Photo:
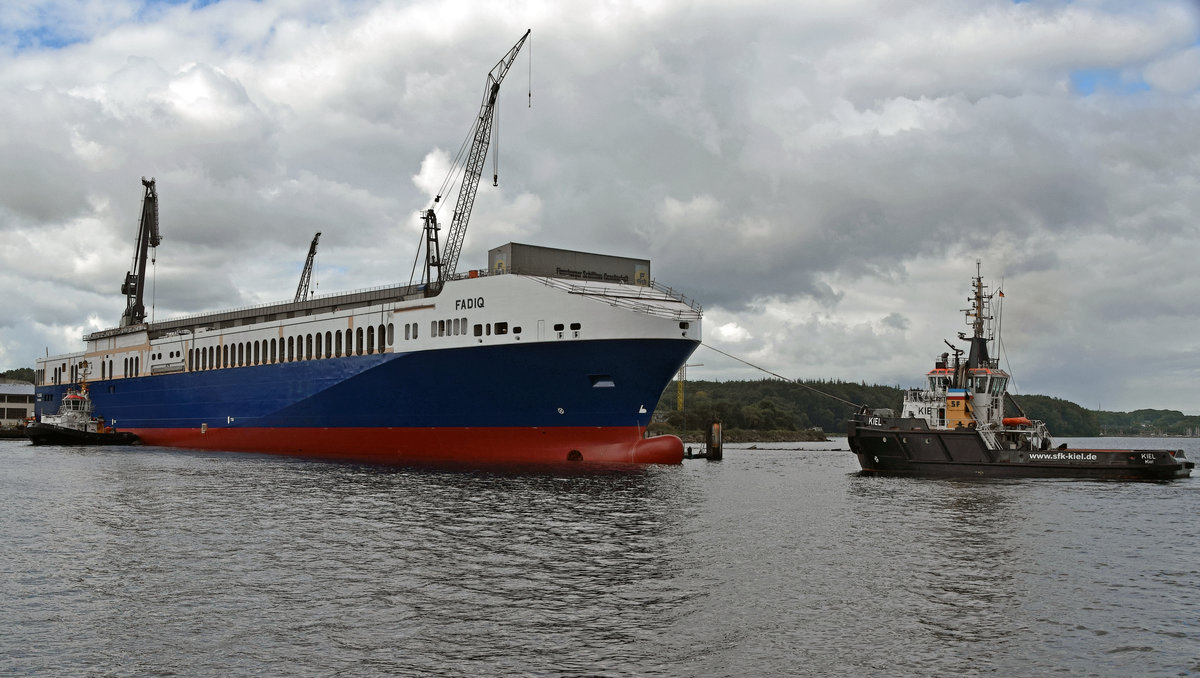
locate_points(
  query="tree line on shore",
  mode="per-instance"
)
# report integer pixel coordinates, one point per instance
(19, 374)
(777, 405)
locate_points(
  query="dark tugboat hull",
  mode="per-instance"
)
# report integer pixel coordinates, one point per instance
(963, 454)
(48, 434)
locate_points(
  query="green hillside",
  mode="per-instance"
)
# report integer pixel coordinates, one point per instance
(774, 404)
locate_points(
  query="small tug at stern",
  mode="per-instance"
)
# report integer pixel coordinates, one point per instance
(956, 426)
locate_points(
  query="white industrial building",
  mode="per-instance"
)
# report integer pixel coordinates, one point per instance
(16, 401)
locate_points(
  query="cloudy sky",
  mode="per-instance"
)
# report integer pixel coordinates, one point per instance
(822, 176)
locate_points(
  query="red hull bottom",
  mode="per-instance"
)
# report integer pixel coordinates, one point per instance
(393, 446)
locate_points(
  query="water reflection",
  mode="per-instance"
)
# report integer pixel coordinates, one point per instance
(951, 550)
(773, 562)
(341, 562)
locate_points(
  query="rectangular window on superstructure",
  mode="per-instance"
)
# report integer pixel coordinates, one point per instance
(407, 331)
(370, 339)
(318, 345)
(477, 330)
(391, 334)
(501, 328)
(337, 343)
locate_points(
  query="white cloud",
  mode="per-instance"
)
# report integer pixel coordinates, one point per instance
(821, 176)
(731, 333)
(1178, 72)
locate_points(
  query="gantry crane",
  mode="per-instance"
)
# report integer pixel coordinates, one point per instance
(481, 135)
(148, 236)
(306, 274)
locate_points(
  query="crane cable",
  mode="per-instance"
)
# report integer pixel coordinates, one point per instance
(780, 376)
(457, 168)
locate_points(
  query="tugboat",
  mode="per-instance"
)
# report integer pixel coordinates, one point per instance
(957, 425)
(75, 425)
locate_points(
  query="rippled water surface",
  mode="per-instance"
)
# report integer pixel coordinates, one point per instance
(774, 562)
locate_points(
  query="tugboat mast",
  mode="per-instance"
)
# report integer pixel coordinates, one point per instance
(979, 317)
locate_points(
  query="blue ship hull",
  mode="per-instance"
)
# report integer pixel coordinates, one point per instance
(521, 402)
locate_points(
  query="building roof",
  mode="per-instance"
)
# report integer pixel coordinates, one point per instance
(8, 387)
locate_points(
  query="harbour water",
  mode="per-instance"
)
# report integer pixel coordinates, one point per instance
(776, 561)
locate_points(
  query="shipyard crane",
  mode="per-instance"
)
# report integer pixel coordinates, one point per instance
(148, 236)
(306, 274)
(481, 136)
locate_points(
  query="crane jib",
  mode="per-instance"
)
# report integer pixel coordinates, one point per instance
(148, 236)
(472, 170)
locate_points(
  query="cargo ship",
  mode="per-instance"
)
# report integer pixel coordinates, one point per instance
(964, 422)
(546, 355)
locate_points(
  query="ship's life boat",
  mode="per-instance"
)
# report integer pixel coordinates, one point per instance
(1017, 421)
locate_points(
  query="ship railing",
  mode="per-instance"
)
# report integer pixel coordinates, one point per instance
(640, 298)
(363, 295)
(401, 292)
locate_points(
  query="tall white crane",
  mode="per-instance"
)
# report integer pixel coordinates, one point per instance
(481, 135)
